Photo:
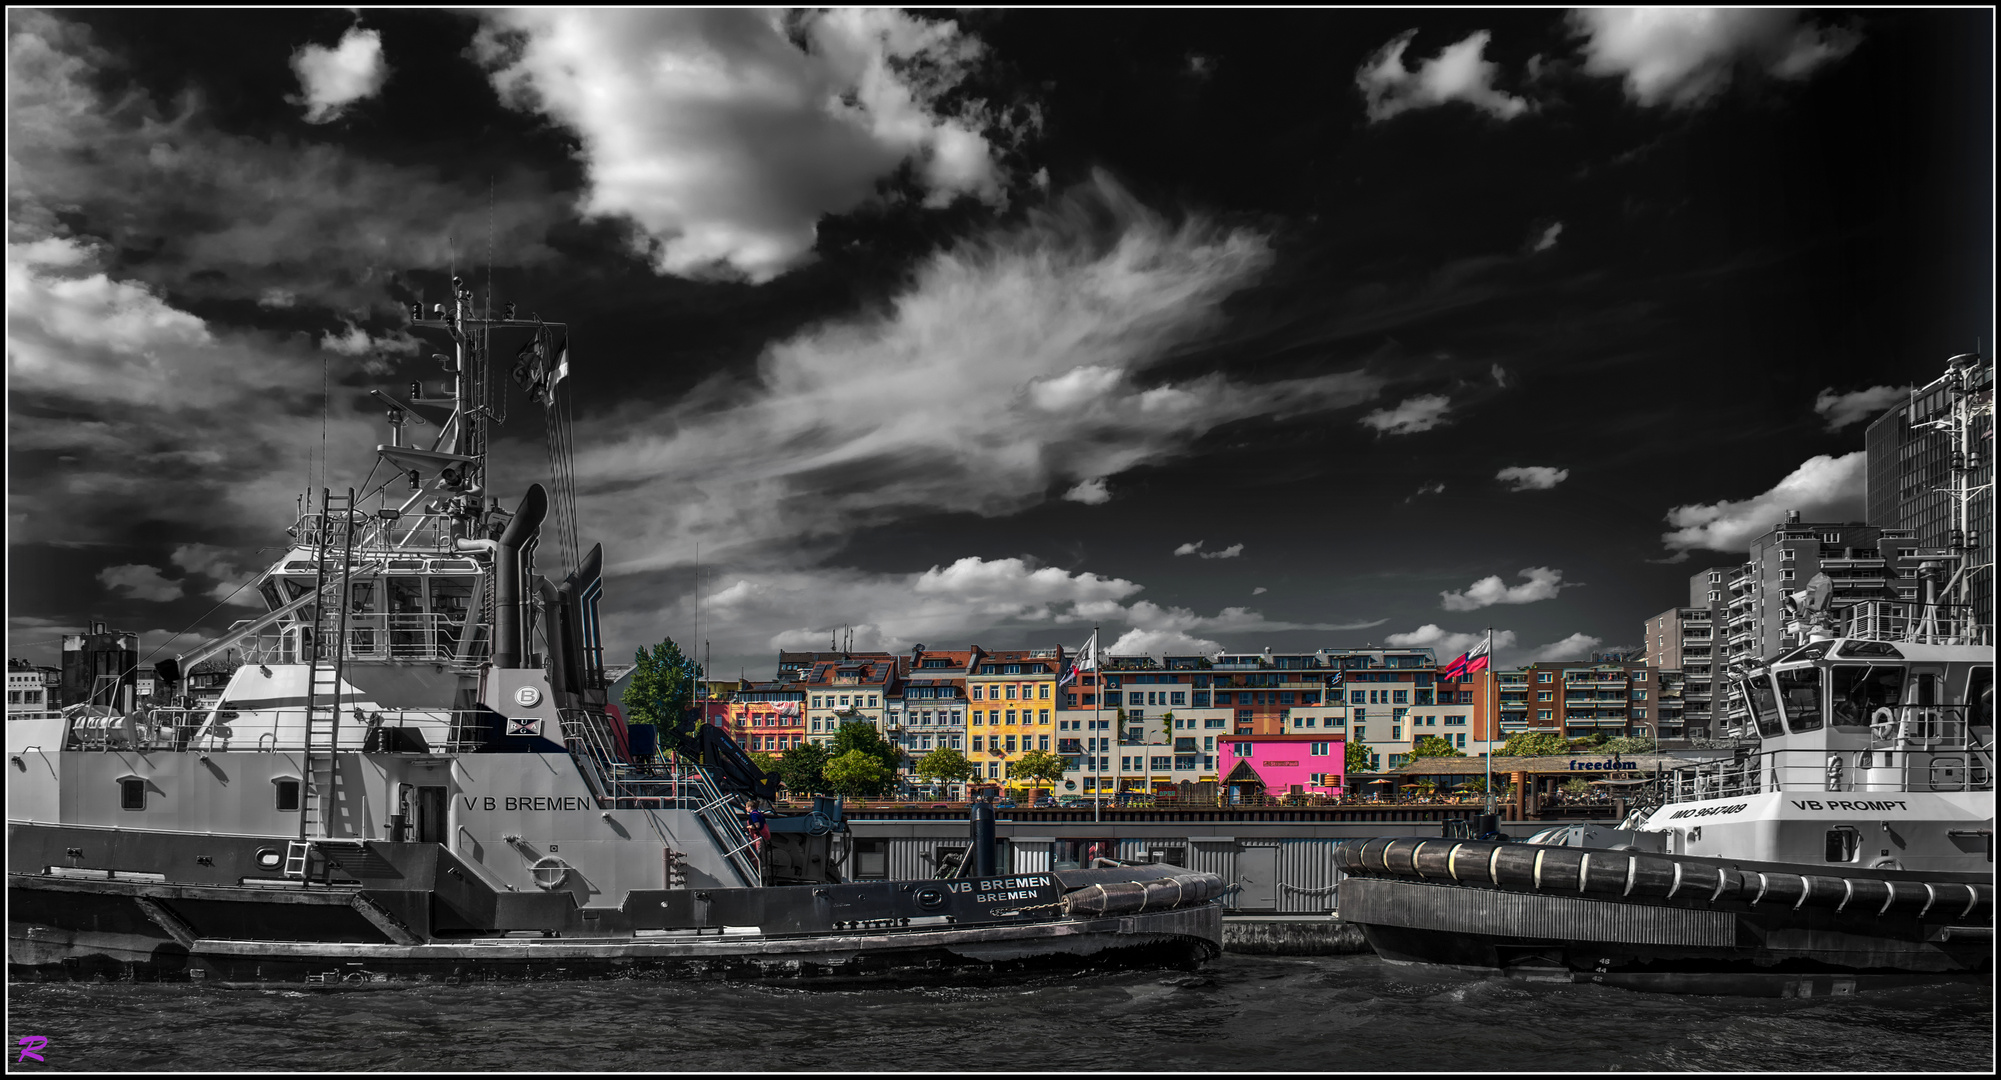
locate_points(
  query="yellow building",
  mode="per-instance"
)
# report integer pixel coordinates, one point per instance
(1011, 710)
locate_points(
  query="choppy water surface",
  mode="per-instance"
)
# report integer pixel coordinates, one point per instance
(1349, 1013)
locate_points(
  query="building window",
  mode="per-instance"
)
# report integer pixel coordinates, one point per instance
(287, 793)
(1042, 742)
(1545, 695)
(1044, 717)
(1396, 732)
(1361, 733)
(1542, 714)
(1243, 749)
(1542, 676)
(132, 794)
(978, 742)
(1318, 749)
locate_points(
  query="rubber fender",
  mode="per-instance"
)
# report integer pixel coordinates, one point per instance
(1158, 894)
(1514, 866)
(1561, 869)
(1823, 891)
(1698, 881)
(1730, 885)
(1604, 871)
(1432, 859)
(1652, 877)
(1866, 896)
(1372, 854)
(1349, 856)
(1906, 898)
(1981, 909)
(1778, 889)
(1467, 861)
(1397, 855)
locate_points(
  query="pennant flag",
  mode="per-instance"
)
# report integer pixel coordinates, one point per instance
(1086, 660)
(1477, 659)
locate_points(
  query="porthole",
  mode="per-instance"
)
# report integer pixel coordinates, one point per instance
(268, 858)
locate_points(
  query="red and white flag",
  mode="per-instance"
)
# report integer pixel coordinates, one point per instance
(1467, 664)
(1086, 660)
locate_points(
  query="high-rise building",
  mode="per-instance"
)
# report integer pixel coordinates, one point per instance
(1912, 454)
(1689, 639)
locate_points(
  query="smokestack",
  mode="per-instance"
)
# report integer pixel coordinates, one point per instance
(507, 599)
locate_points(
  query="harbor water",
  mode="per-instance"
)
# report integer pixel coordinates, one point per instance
(1340, 1013)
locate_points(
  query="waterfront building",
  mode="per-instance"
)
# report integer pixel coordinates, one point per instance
(27, 690)
(1012, 707)
(1284, 764)
(766, 717)
(857, 687)
(929, 712)
(1681, 640)
(101, 667)
(1909, 456)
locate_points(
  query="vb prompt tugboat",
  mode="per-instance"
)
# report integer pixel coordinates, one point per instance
(1854, 847)
(413, 774)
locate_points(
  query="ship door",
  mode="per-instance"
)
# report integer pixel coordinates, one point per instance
(1257, 872)
(431, 805)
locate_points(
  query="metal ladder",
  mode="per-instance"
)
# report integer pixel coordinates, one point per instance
(322, 799)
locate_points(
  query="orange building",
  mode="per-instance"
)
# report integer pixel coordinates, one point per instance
(768, 717)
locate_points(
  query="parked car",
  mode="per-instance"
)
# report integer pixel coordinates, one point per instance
(1004, 804)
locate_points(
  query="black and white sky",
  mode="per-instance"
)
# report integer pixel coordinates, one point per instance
(1280, 329)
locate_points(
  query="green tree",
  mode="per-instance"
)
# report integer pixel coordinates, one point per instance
(662, 688)
(1475, 786)
(1577, 786)
(1433, 746)
(1588, 742)
(1638, 744)
(767, 762)
(1358, 758)
(947, 765)
(1534, 744)
(1167, 726)
(858, 774)
(1036, 765)
(801, 770)
(862, 735)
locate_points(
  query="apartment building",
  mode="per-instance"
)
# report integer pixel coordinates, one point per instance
(767, 717)
(27, 689)
(1011, 698)
(929, 712)
(845, 690)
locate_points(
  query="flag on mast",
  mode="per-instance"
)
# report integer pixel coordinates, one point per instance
(1086, 660)
(1467, 664)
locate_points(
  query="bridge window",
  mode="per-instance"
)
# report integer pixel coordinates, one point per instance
(1763, 704)
(1860, 690)
(1799, 691)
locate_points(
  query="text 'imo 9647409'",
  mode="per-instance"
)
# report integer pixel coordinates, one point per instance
(415, 773)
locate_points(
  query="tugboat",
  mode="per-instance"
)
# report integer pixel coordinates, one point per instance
(414, 775)
(1852, 849)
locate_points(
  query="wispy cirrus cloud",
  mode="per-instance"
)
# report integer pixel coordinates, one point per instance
(219, 215)
(1195, 548)
(1841, 410)
(725, 135)
(1045, 332)
(1457, 73)
(1410, 416)
(1685, 57)
(1532, 477)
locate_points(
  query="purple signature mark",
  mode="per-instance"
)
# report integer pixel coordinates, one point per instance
(29, 1044)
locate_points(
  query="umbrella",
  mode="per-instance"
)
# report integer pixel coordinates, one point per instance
(1382, 781)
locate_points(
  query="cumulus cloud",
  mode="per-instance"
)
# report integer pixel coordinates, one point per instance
(969, 600)
(1260, 589)
(220, 564)
(1445, 644)
(1458, 73)
(112, 378)
(1684, 57)
(139, 582)
(1548, 238)
(724, 135)
(1543, 584)
(1089, 492)
(1189, 548)
(1433, 488)
(843, 426)
(332, 79)
(305, 222)
(1500, 376)
(1230, 552)
(1575, 647)
(1412, 415)
(1532, 477)
(1854, 407)
(1823, 488)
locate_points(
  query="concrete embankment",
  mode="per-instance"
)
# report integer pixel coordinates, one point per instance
(1291, 935)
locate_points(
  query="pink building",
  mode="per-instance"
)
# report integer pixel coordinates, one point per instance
(1284, 764)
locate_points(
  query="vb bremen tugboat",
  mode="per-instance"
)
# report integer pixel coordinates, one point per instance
(414, 775)
(1853, 848)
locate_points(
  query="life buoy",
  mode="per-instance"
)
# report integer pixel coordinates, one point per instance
(550, 872)
(1883, 724)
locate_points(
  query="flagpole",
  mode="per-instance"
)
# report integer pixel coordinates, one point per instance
(1492, 712)
(1097, 704)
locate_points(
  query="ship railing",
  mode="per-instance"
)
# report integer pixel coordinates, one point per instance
(1943, 624)
(619, 784)
(1939, 754)
(146, 729)
(428, 637)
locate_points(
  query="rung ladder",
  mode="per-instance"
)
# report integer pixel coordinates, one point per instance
(323, 800)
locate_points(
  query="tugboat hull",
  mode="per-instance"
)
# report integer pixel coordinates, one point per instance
(1659, 922)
